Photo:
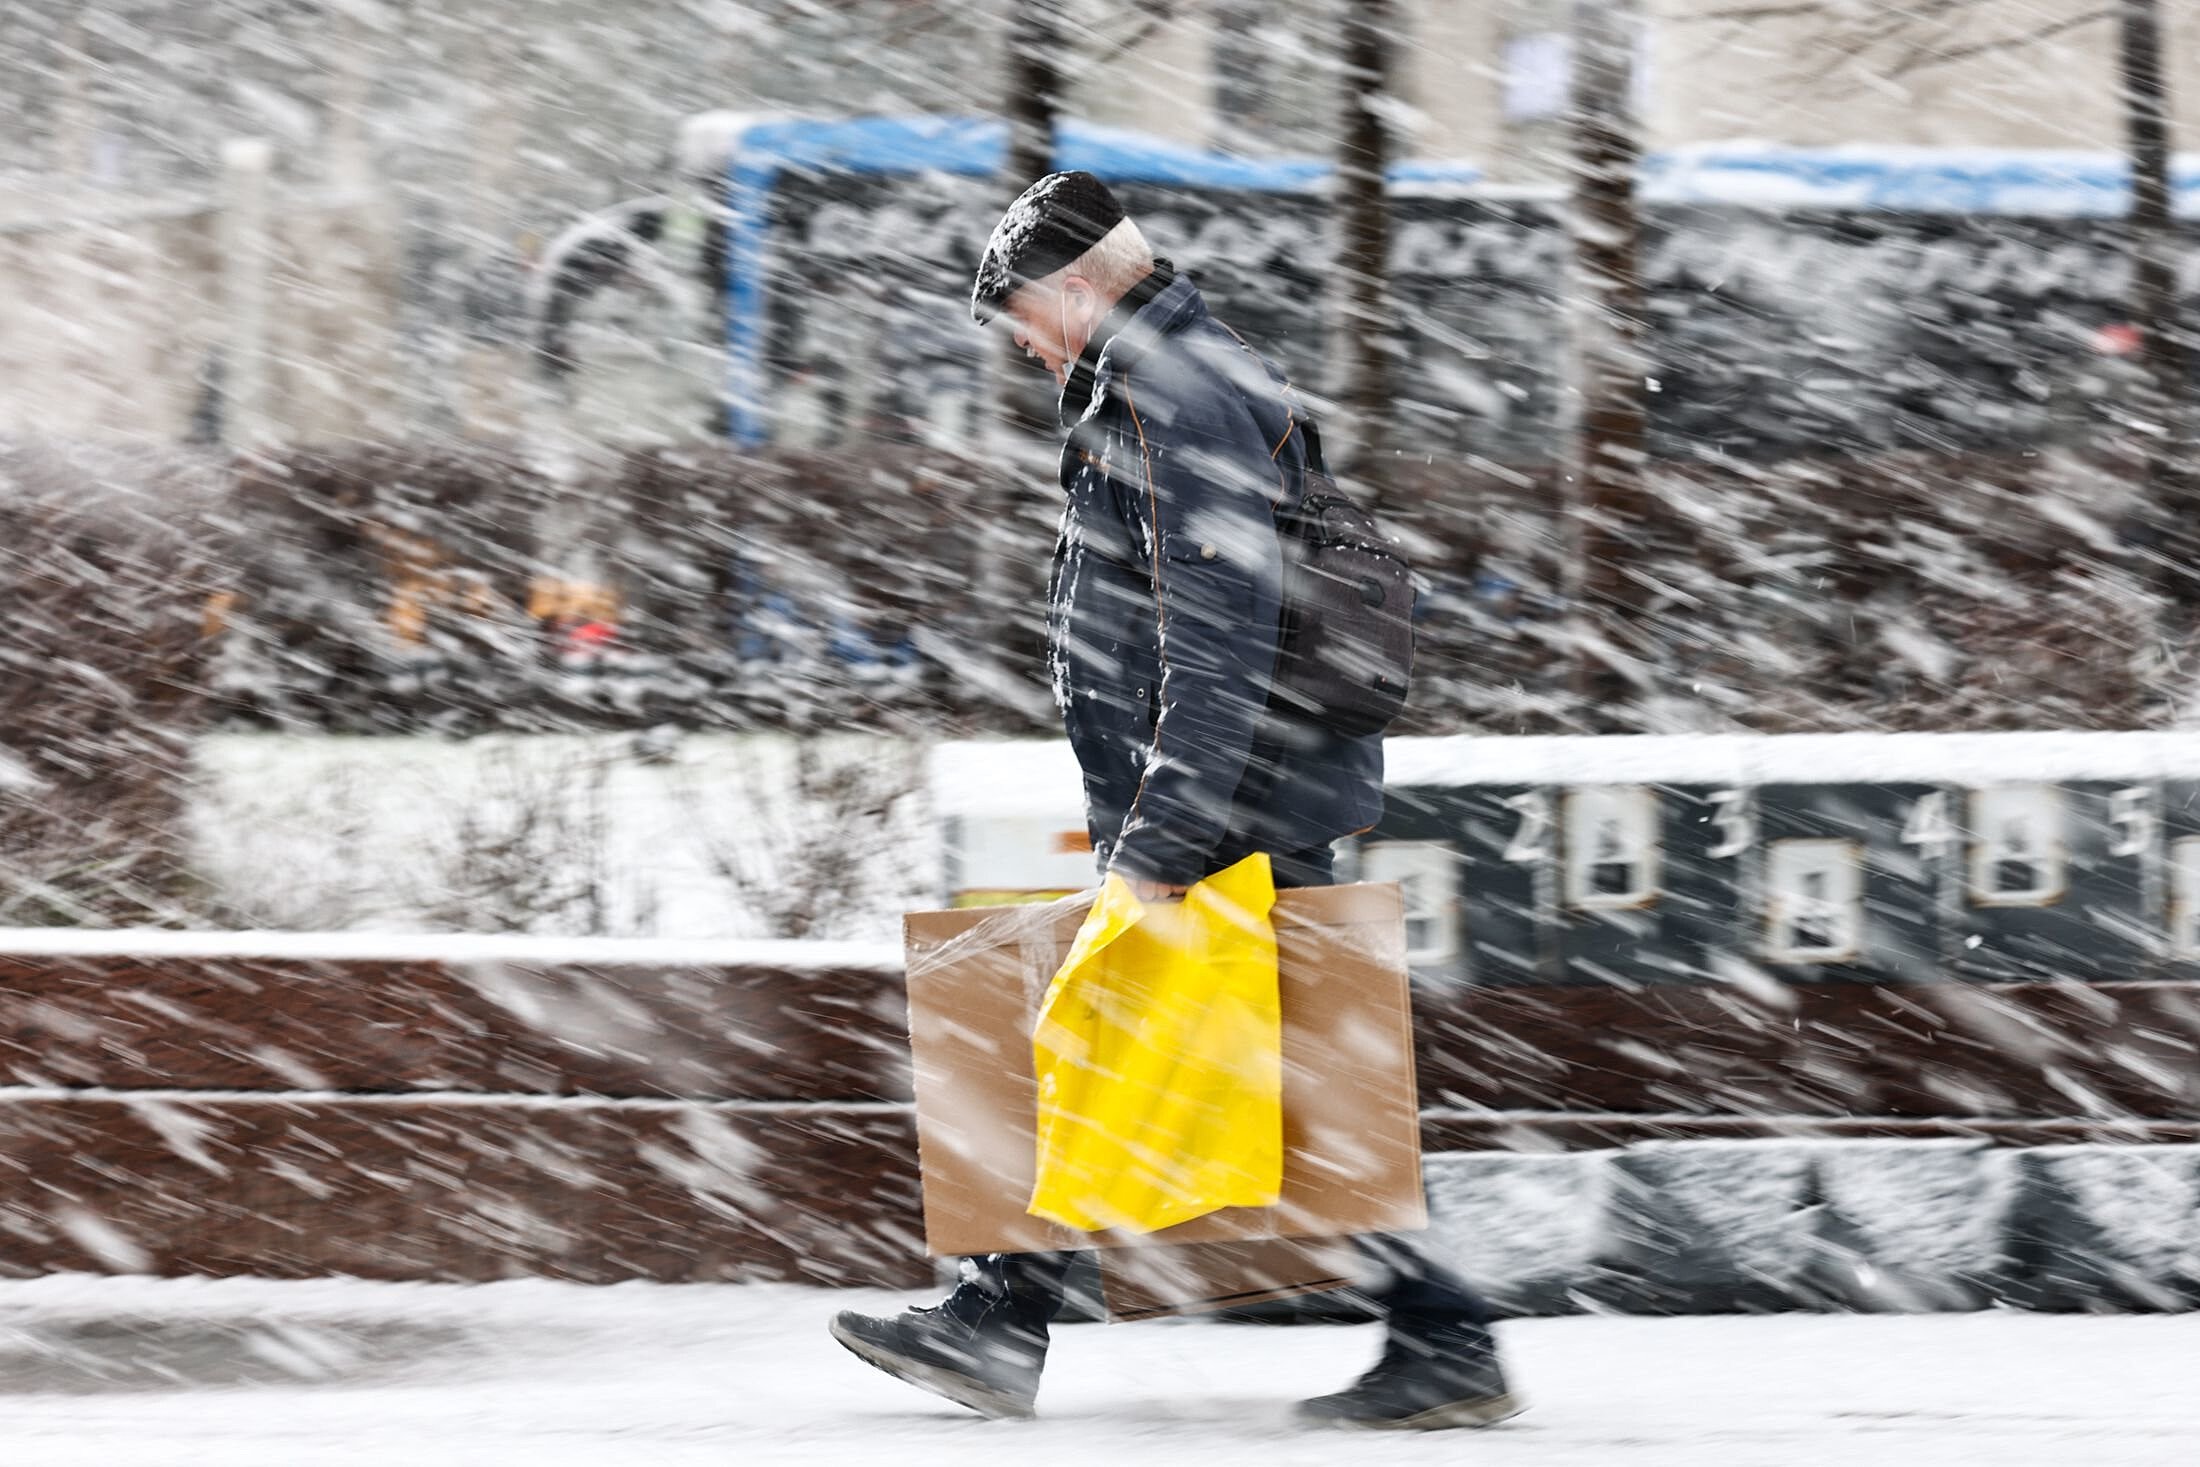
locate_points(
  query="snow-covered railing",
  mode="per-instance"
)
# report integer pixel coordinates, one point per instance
(1011, 776)
(438, 947)
(1841, 758)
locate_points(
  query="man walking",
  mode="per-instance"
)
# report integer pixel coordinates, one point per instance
(1164, 617)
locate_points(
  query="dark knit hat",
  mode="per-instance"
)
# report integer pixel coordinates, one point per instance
(1052, 223)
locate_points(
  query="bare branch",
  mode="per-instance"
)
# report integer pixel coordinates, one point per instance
(1157, 13)
(1754, 12)
(1921, 61)
(1907, 26)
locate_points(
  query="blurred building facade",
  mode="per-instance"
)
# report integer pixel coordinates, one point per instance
(423, 152)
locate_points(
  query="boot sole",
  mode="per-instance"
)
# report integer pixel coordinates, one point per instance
(1487, 1411)
(946, 1384)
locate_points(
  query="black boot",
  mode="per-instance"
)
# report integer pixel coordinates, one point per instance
(1439, 1366)
(1433, 1374)
(984, 1347)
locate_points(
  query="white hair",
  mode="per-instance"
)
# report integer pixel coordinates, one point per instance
(1119, 260)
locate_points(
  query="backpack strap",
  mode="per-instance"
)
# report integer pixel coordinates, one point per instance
(1314, 459)
(1299, 422)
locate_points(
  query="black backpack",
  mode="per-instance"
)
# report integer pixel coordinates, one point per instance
(1345, 649)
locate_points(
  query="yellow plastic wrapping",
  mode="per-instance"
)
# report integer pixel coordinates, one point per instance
(1159, 1049)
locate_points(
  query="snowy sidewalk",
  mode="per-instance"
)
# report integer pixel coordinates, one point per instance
(246, 1373)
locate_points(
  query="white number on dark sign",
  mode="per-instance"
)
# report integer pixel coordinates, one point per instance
(1737, 823)
(1928, 823)
(1531, 840)
(2131, 811)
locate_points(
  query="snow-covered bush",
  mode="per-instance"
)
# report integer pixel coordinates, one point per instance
(112, 562)
(1524, 1228)
(610, 835)
(384, 588)
(417, 588)
(890, 586)
(1908, 1225)
(2105, 1228)
(1706, 1227)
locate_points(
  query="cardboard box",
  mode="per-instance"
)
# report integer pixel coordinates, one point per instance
(1200, 1278)
(1352, 1141)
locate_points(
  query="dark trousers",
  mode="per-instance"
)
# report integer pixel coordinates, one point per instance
(1411, 1287)
(1411, 1284)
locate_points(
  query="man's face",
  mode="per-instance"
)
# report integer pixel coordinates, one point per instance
(1052, 321)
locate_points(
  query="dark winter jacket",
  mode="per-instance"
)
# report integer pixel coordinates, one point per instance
(1164, 603)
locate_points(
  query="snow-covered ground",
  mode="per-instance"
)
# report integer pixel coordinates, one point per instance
(139, 1373)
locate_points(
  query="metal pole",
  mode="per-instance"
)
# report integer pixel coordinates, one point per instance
(247, 261)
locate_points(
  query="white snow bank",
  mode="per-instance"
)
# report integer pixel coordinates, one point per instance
(72, 942)
(346, 1374)
(1523, 1227)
